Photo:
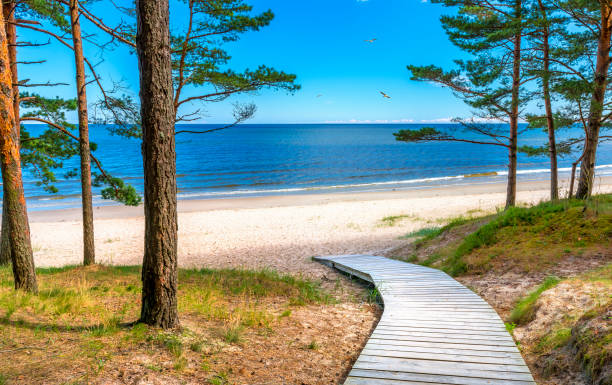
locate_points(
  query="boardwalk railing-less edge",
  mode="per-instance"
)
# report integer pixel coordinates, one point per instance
(433, 330)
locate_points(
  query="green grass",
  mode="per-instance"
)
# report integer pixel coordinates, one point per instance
(313, 345)
(532, 238)
(219, 379)
(592, 338)
(262, 283)
(393, 220)
(233, 334)
(554, 340)
(426, 232)
(88, 310)
(524, 311)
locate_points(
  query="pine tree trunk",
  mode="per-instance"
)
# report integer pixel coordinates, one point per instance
(587, 167)
(14, 199)
(89, 251)
(159, 267)
(11, 35)
(514, 116)
(550, 121)
(5, 244)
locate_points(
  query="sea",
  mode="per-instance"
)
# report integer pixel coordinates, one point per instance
(280, 159)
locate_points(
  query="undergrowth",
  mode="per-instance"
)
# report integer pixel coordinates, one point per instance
(89, 311)
(531, 238)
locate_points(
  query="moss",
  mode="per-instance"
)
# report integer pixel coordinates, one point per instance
(592, 338)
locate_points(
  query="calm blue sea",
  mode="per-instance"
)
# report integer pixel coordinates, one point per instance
(254, 160)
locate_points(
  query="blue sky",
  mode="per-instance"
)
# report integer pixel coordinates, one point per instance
(322, 42)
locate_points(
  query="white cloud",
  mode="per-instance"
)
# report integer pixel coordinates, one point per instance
(366, 121)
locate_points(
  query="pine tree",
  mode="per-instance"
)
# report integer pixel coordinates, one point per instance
(578, 77)
(492, 82)
(598, 95)
(89, 250)
(159, 267)
(14, 200)
(545, 25)
(199, 58)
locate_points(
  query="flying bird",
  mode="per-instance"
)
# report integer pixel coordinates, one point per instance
(319, 95)
(385, 95)
(370, 41)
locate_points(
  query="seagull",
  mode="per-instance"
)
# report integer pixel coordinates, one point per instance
(385, 95)
(319, 95)
(370, 41)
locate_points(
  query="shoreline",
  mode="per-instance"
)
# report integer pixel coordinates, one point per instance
(279, 233)
(604, 184)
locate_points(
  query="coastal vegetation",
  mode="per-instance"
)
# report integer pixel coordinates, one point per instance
(546, 269)
(79, 328)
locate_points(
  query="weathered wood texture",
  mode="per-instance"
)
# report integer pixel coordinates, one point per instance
(433, 330)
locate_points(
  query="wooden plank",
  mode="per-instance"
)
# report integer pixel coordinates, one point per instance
(445, 339)
(455, 357)
(444, 345)
(371, 377)
(433, 330)
(404, 330)
(462, 369)
(417, 323)
(439, 350)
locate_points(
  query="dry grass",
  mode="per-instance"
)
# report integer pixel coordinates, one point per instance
(78, 331)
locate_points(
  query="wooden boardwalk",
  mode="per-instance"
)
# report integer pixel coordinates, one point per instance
(433, 330)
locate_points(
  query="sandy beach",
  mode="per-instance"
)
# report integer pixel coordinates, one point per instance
(280, 232)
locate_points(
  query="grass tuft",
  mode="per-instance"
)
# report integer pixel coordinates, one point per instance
(233, 334)
(313, 345)
(525, 309)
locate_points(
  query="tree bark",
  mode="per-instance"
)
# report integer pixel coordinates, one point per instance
(11, 35)
(159, 268)
(5, 243)
(514, 116)
(587, 167)
(14, 199)
(550, 121)
(89, 250)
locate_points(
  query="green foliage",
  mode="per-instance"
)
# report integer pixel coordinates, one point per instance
(44, 10)
(116, 189)
(525, 309)
(46, 152)
(486, 81)
(424, 134)
(199, 59)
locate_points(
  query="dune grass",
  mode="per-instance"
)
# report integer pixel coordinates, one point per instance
(532, 238)
(83, 317)
(524, 311)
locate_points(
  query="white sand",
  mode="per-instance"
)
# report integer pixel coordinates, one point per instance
(276, 232)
